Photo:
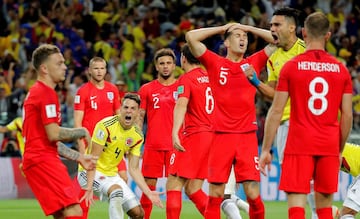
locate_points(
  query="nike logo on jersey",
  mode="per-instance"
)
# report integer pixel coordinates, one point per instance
(224, 69)
(92, 97)
(154, 95)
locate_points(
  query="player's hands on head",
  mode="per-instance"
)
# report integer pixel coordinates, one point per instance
(265, 161)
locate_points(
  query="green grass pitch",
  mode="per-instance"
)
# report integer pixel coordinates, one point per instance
(30, 209)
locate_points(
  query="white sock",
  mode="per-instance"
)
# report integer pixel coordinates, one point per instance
(115, 204)
(347, 216)
(242, 205)
(230, 209)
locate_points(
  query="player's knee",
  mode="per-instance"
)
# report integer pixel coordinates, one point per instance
(114, 188)
(73, 210)
(136, 212)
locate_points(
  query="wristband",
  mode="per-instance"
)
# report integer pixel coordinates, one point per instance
(254, 80)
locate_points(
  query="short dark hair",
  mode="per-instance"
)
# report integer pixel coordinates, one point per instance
(290, 13)
(132, 96)
(185, 50)
(164, 52)
(41, 53)
(317, 25)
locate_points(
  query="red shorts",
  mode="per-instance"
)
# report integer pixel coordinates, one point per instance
(51, 185)
(240, 149)
(122, 165)
(298, 170)
(155, 163)
(192, 164)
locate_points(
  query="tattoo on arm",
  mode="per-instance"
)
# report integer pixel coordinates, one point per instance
(70, 134)
(67, 152)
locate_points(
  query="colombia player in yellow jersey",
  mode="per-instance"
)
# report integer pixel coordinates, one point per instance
(351, 164)
(113, 137)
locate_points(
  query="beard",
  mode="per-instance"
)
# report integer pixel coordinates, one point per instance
(165, 77)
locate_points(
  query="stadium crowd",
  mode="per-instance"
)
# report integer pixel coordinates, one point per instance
(127, 33)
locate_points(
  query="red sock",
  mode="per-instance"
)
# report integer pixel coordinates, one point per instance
(146, 203)
(296, 213)
(73, 217)
(173, 204)
(324, 213)
(85, 209)
(199, 198)
(212, 210)
(257, 208)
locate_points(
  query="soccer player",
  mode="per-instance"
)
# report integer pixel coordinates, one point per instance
(234, 113)
(350, 164)
(192, 137)
(113, 137)
(157, 103)
(15, 125)
(319, 87)
(46, 175)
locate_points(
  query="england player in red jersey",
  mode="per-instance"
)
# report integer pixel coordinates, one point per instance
(45, 173)
(94, 101)
(192, 137)
(319, 87)
(157, 102)
(235, 140)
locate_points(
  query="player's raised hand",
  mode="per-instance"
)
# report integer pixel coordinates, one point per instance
(265, 160)
(88, 197)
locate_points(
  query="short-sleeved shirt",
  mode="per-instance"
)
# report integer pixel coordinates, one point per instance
(116, 141)
(194, 85)
(234, 95)
(158, 101)
(316, 83)
(277, 60)
(96, 103)
(16, 125)
(350, 159)
(39, 110)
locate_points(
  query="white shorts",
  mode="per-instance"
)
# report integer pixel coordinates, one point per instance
(102, 184)
(280, 140)
(352, 199)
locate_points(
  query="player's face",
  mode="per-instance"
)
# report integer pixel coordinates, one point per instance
(128, 113)
(97, 71)
(165, 66)
(237, 42)
(281, 30)
(55, 67)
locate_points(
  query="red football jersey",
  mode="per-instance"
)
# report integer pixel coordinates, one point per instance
(158, 101)
(96, 103)
(316, 82)
(39, 110)
(194, 85)
(234, 95)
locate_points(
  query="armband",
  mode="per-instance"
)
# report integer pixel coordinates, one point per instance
(254, 80)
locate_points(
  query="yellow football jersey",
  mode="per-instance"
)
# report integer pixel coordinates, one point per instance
(277, 60)
(351, 159)
(16, 125)
(117, 142)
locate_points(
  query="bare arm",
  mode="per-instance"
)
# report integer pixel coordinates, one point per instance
(137, 176)
(272, 122)
(194, 37)
(263, 33)
(3, 129)
(346, 119)
(87, 161)
(78, 118)
(141, 118)
(179, 115)
(57, 133)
